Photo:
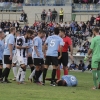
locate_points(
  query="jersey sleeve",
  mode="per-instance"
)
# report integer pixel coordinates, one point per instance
(46, 42)
(19, 42)
(92, 44)
(11, 40)
(69, 41)
(61, 42)
(36, 43)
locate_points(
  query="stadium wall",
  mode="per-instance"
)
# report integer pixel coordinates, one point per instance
(34, 12)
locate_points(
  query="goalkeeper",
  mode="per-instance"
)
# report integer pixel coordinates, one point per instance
(95, 51)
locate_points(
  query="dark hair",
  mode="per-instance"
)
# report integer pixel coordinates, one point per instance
(29, 32)
(62, 30)
(56, 31)
(60, 83)
(96, 30)
(0, 32)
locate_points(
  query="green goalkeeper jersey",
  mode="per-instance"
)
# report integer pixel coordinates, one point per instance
(95, 46)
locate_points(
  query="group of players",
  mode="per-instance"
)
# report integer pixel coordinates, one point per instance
(16, 48)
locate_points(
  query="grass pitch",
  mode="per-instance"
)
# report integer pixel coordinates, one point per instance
(31, 91)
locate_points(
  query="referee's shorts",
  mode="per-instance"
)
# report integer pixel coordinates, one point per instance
(64, 59)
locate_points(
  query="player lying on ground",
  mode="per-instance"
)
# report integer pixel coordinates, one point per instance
(66, 80)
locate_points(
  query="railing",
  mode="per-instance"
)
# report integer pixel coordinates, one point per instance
(86, 7)
(9, 6)
(67, 17)
(47, 2)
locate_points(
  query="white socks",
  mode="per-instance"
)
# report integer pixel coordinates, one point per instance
(32, 74)
(19, 74)
(41, 78)
(22, 78)
(15, 71)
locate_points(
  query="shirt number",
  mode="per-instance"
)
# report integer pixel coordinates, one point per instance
(52, 43)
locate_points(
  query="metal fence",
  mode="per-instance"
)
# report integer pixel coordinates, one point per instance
(86, 7)
(67, 17)
(47, 2)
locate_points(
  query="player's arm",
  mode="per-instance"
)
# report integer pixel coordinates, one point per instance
(21, 47)
(35, 48)
(71, 48)
(10, 46)
(10, 49)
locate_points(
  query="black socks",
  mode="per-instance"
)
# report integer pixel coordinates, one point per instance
(0, 73)
(44, 74)
(53, 76)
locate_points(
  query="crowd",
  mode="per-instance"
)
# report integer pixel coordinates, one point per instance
(51, 15)
(14, 1)
(86, 1)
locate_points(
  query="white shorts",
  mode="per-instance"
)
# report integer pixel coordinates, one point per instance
(14, 60)
(21, 60)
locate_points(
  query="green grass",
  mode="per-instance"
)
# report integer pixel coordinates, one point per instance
(35, 92)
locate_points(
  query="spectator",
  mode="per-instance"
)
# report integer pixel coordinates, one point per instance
(2, 24)
(16, 25)
(61, 15)
(49, 15)
(43, 15)
(81, 65)
(89, 66)
(23, 17)
(73, 66)
(54, 15)
(92, 20)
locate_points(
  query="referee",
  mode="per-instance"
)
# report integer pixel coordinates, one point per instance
(64, 59)
(95, 50)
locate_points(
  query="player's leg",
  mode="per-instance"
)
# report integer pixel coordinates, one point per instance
(14, 71)
(22, 70)
(14, 61)
(47, 63)
(55, 64)
(23, 73)
(37, 63)
(65, 62)
(1, 68)
(94, 73)
(6, 71)
(58, 72)
(30, 63)
(41, 70)
(98, 74)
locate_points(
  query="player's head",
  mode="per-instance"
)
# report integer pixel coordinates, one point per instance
(96, 31)
(2, 35)
(13, 30)
(62, 32)
(61, 83)
(18, 33)
(29, 33)
(41, 33)
(56, 31)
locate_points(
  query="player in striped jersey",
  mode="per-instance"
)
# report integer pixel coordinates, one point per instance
(22, 47)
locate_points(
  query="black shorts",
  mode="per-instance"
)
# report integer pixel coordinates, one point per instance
(30, 61)
(1, 62)
(64, 59)
(50, 60)
(38, 61)
(7, 60)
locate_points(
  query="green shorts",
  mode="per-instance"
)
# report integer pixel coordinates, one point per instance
(95, 63)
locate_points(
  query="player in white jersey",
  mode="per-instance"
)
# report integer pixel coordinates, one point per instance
(22, 54)
(14, 60)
